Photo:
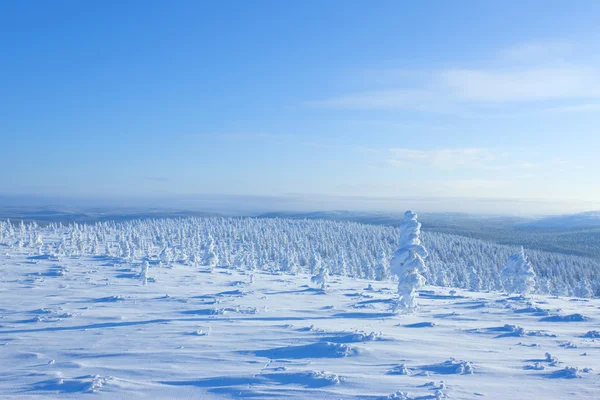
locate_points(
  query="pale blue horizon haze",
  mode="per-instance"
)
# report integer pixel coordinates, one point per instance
(466, 105)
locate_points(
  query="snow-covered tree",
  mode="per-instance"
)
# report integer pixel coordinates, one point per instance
(342, 265)
(315, 263)
(407, 263)
(475, 281)
(382, 267)
(584, 289)
(408, 287)
(144, 272)
(211, 258)
(518, 275)
(321, 278)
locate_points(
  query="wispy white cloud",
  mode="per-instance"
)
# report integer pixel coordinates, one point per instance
(530, 74)
(539, 52)
(475, 160)
(561, 83)
(442, 159)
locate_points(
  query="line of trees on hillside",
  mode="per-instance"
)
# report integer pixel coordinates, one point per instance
(292, 246)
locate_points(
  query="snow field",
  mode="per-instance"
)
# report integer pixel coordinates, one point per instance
(95, 329)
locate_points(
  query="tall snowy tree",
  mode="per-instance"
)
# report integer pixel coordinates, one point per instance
(407, 263)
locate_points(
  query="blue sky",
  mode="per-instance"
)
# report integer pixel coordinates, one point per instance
(337, 99)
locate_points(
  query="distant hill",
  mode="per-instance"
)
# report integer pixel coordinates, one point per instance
(590, 219)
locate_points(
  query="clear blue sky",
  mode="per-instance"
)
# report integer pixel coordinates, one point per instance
(434, 99)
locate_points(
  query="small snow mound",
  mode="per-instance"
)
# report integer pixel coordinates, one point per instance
(440, 386)
(323, 376)
(111, 299)
(528, 345)
(570, 373)
(399, 396)
(552, 360)
(356, 337)
(516, 329)
(452, 366)
(310, 328)
(535, 367)
(400, 370)
(565, 318)
(338, 349)
(592, 335)
(440, 395)
(426, 324)
(568, 345)
(531, 309)
(314, 350)
(96, 383)
(81, 384)
(202, 332)
(309, 379)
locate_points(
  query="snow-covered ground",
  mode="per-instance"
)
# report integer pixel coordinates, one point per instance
(88, 327)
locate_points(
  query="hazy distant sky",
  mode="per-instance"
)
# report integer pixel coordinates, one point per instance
(434, 99)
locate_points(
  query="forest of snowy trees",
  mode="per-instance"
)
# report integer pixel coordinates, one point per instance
(291, 246)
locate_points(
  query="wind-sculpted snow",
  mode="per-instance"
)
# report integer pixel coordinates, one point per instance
(343, 248)
(100, 330)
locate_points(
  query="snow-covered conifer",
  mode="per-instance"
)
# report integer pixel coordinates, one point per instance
(315, 263)
(475, 281)
(321, 278)
(407, 263)
(211, 258)
(408, 287)
(382, 267)
(518, 275)
(144, 272)
(584, 289)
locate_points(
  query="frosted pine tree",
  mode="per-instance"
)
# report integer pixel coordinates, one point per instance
(518, 275)
(321, 278)
(342, 265)
(584, 289)
(407, 263)
(382, 267)
(144, 272)
(408, 287)
(315, 263)
(475, 281)
(211, 258)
